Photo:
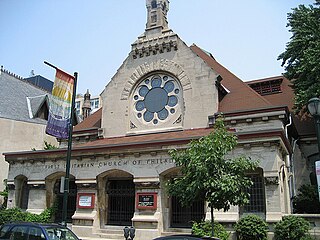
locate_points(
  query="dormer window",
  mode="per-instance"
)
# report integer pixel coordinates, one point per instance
(267, 87)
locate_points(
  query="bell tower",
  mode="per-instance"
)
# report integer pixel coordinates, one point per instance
(157, 14)
(86, 107)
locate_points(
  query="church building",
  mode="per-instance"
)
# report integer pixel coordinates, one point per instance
(164, 95)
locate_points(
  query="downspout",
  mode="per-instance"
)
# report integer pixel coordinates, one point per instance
(290, 166)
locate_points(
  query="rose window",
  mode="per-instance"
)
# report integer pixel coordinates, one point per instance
(156, 99)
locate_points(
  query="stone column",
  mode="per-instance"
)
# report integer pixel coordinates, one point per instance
(147, 214)
(273, 197)
(11, 195)
(85, 219)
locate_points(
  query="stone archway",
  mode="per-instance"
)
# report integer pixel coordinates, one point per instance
(53, 195)
(116, 198)
(21, 192)
(176, 215)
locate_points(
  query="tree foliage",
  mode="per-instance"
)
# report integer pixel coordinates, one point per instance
(307, 200)
(301, 58)
(207, 173)
(49, 146)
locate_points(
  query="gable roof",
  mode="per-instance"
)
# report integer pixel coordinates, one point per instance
(240, 95)
(14, 103)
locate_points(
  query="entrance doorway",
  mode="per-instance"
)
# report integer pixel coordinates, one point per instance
(182, 216)
(72, 201)
(121, 200)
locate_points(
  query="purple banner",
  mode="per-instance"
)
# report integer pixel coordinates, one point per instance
(60, 105)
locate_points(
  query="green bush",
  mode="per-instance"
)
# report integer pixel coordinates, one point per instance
(307, 200)
(292, 228)
(251, 227)
(11, 214)
(204, 229)
(16, 214)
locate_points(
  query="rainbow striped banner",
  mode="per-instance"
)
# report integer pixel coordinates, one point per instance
(60, 105)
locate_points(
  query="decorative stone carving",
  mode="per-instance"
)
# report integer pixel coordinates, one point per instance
(132, 126)
(144, 46)
(86, 185)
(178, 120)
(145, 185)
(271, 180)
(37, 186)
(160, 65)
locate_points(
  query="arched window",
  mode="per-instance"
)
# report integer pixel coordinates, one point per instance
(257, 202)
(154, 4)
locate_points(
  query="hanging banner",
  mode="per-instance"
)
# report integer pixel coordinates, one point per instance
(60, 105)
(318, 176)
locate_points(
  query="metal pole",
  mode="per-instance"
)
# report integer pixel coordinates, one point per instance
(317, 122)
(66, 182)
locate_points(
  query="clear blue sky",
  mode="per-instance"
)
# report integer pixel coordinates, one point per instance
(93, 37)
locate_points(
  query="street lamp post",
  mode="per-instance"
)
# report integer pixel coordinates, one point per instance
(314, 110)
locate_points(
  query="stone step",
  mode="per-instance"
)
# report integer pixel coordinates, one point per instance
(111, 233)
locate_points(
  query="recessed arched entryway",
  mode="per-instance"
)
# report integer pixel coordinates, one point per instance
(116, 198)
(179, 216)
(21, 192)
(55, 197)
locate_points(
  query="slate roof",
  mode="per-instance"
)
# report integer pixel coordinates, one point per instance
(240, 96)
(147, 139)
(40, 82)
(93, 121)
(14, 98)
(303, 122)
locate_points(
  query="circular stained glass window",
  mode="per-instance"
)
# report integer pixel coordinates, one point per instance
(156, 98)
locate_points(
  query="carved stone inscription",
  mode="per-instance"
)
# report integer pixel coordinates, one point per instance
(110, 163)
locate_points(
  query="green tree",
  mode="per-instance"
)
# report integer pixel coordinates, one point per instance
(301, 56)
(209, 175)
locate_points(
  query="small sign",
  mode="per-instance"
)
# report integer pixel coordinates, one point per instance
(318, 176)
(146, 200)
(85, 200)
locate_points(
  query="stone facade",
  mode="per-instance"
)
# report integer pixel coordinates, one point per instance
(162, 96)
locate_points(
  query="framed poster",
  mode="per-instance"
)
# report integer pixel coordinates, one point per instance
(85, 200)
(146, 200)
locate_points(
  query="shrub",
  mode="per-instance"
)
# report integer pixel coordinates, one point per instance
(11, 214)
(204, 229)
(307, 200)
(292, 228)
(16, 214)
(251, 227)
